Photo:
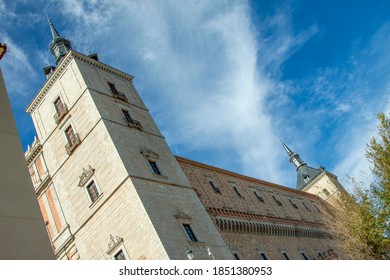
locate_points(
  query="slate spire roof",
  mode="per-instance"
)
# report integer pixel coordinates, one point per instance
(304, 173)
(59, 45)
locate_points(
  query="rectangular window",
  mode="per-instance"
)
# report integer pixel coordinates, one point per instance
(293, 204)
(277, 201)
(154, 167)
(33, 174)
(58, 105)
(317, 208)
(116, 93)
(128, 118)
(61, 110)
(120, 256)
(307, 208)
(215, 188)
(237, 191)
(93, 192)
(190, 233)
(70, 135)
(258, 196)
(113, 88)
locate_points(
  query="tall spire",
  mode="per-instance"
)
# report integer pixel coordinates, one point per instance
(53, 30)
(304, 173)
(294, 158)
(59, 45)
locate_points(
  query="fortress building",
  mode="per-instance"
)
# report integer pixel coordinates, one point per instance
(109, 186)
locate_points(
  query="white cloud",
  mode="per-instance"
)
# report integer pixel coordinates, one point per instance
(203, 70)
(17, 68)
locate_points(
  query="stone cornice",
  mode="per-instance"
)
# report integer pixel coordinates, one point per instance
(60, 69)
(262, 218)
(247, 178)
(33, 151)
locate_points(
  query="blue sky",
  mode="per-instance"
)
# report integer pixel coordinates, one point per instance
(224, 80)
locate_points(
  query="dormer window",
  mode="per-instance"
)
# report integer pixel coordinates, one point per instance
(306, 178)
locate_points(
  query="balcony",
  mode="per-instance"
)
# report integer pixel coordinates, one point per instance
(134, 123)
(62, 110)
(72, 144)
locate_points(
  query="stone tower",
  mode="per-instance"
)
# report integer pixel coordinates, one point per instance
(22, 231)
(316, 181)
(107, 183)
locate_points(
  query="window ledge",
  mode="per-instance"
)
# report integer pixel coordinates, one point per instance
(160, 176)
(197, 243)
(96, 201)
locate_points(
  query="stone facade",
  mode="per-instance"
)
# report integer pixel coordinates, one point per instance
(257, 217)
(102, 169)
(109, 187)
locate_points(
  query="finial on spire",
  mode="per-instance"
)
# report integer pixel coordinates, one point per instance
(293, 157)
(287, 149)
(59, 45)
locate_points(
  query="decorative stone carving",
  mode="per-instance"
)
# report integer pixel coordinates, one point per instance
(114, 243)
(149, 154)
(182, 217)
(86, 175)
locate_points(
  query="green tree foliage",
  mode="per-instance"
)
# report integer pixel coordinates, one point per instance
(361, 224)
(378, 153)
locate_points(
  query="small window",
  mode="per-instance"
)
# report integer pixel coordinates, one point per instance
(326, 192)
(215, 188)
(58, 104)
(120, 256)
(70, 135)
(72, 138)
(113, 88)
(307, 208)
(61, 110)
(236, 256)
(237, 192)
(293, 204)
(154, 167)
(304, 256)
(128, 118)
(277, 201)
(258, 196)
(317, 208)
(93, 191)
(191, 235)
(117, 94)
(286, 256)
(263, 256)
